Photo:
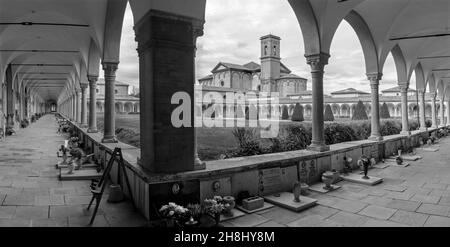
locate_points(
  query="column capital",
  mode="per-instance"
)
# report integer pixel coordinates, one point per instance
(110, 67)
(92, 79)
(317, 61)
(403, 86)
(374, 77)
(83, 87)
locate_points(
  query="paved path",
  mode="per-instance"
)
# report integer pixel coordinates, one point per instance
(418, 195)
(32, 195)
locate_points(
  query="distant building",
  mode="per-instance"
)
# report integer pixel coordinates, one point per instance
(395, 91)
(269, 76)
(348, 93)
(125, 103)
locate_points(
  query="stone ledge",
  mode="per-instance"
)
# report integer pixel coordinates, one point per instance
(218, 168)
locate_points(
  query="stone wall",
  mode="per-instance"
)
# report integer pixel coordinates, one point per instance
(243, 173)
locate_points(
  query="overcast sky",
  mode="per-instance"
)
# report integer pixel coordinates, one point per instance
(231, 34)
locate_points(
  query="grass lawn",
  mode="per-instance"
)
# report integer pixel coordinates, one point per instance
(211, 142)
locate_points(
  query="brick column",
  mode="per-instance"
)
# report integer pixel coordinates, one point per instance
(109, 131)
(375, 115)
(317, 63)
(92, 105)
(166, 47)
(404, 95)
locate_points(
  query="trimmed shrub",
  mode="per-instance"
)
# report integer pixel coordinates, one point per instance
(285, 113)
(384, 111)
(239, 112)
(360, 112)
(297, 115)
(328, 115)
(252, 108)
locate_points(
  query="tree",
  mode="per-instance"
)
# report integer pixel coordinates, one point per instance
(360, 112)
(285, 114)
(328, 115)
(384, 111)
(297, 115)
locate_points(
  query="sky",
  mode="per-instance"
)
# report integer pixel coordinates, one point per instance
(231, 34)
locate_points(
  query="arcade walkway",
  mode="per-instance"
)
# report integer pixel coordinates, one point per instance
(32, 195)
(417, 195)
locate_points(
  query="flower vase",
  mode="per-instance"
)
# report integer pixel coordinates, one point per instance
(216, 219)
(231, 202)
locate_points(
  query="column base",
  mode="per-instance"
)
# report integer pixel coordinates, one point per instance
(109, 139)
(92, 130)
(318, 147)
(423, 129)
(406, 133)
(375, 138)
(199, 165)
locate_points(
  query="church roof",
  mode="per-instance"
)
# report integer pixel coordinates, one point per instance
(293, 76)
(250, 67)
(396, 90)
(349, 91)
(206, 77)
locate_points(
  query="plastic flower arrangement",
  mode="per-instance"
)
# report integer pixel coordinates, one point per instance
(172, 210)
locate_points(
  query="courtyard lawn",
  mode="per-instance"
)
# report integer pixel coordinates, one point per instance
(211, 142)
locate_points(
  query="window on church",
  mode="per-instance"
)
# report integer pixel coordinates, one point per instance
(115, 91)
(265, 50)
(222, 83)
(275, 50)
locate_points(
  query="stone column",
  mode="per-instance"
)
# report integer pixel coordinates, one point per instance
(448, 113)
(317, 63)
(404, 94)
(375, 115)
(109, 131)
(422, 123)
(166, 47)
(441, 111)
(78, 106)
(92, 104)
(433, 110)
(83, 106)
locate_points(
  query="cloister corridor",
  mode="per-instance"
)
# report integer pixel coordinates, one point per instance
(31, 193)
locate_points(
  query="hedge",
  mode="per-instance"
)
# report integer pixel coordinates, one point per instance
(298, 136)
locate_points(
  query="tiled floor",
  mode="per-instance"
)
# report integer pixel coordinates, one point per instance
(417, 195)
(32, 195)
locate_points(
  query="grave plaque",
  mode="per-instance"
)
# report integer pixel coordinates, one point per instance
(269, 181)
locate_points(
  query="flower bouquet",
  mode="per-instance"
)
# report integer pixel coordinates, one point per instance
(175, 214)
(216, 206)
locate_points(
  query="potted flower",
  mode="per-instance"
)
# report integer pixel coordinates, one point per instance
(175, 214)
(215, 207)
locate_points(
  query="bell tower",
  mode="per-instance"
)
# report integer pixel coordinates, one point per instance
(270, 62)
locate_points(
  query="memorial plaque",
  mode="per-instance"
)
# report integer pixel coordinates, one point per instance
(269, 181)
